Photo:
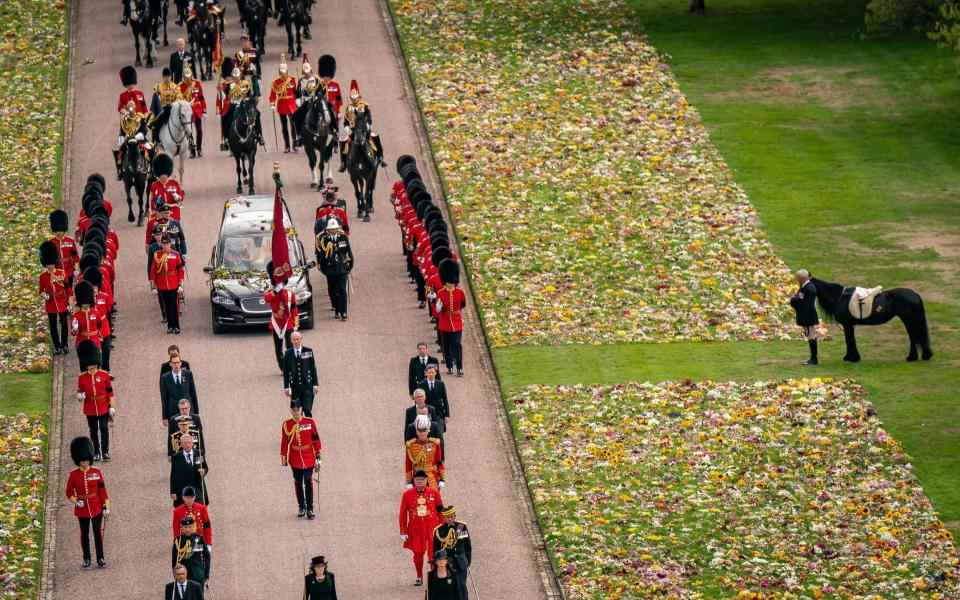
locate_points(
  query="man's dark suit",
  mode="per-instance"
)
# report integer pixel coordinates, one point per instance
(411, 415)
(192, 591)
(437, 398)
(177, 63)
(174, 426)
(171, 393)
(299, 376)
(183, 473)
(417, 371)
(805, 303)
(166, 368)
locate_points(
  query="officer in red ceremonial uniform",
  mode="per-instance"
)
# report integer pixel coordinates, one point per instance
(285, 316)
(283, 99)
(326, 71)
(55, 291)
(95, 392)
(87, 490)
(86, 322)
(69, 255)
(328, 209)
(102, 303)
(199, 512)
(300, 448)
(128, 77)
(418, 519)
(166, 277)
(449, 305)
(165, 190)
(192, 90)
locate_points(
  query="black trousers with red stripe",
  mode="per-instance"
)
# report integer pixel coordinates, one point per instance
(85, 524)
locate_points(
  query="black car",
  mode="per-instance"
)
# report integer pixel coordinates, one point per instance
(238, 266)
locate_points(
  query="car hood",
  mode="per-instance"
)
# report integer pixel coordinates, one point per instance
(244, 287)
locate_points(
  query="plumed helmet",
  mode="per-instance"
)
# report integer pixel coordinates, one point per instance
(187, 73)
(226, 67)
(354, 89)
(93, 276)
(49, 254)
(332, 223)
(59, 220)
(306, 69)
(88, 354)
(449, 271)
(128, 76)
(282, 68)
(404, 161)
(327, 66)
(165, 72)
(81, 449)
(84, 293)
(235, 73)
(163, 165)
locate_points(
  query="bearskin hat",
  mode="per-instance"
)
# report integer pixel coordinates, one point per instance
(422, 203)
(89, 201)
(93, 276)
(413, 187)
(81, 449)
(163, 165)
(432, 214)
(128, 76)
(439, 238)
(405, 160)
(449, 271)
(88, 354)
(270, 273)
(326, 66)
(226, 67)
(59, 220)
(49, 254)
(83, 291)
(440, 253)
(437, 225)
(96, 179)
(89, 259)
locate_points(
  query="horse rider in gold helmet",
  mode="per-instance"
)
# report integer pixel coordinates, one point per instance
(354, 112)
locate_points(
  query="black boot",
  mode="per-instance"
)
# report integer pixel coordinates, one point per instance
(813, 353)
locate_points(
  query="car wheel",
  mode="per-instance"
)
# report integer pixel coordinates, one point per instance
(217, 327)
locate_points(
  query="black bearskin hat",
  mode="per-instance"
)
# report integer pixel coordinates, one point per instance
(89, 201)
(89, 259)
(326, 66)
(414, 187)
(432, 214)
(96, 181)
(88, 354)
(163, 165)
(49, 254)
(405, 160)
(93, 276)
(128, 76)
(440, 253)
(81, 449)
(59, 220)
(422, 204)
(437, 225)
(84, 293)
(226, 67)
(449, 271)
(270, 273)
(439, 238)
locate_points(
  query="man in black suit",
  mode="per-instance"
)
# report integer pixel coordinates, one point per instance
(182, 588)
(436, 393)
(435, 430)
(419, 401)
(300, 374)
(805, 303)
(187, 469)
(195, 429)
(418, 367)
(176, 384)
(173, 350)
(180, 57)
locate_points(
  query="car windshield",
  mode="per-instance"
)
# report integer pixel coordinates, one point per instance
(251, 252)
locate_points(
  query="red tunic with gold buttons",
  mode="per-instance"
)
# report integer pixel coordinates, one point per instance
(56, 294)
(103, 302)
(96, 391)
(334, 97)
(88, 324)
(137, 97)
(170, 192)
(450, 304)
(283, 95)
(87, 489)
(418, 518)
(193, 91)
(201, 517)
(300, 442)
(166, 270)
(69, 256)
(286, 315)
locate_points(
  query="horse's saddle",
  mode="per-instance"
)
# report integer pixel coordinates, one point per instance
(861, 301)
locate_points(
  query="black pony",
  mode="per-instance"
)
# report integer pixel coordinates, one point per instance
(135, 168)
(159, 9)
(141, 24)
(254, 14)
(362, 166)
(897, 302)
(203, 32)
(242, 140)
(294, 16)
(314, 121)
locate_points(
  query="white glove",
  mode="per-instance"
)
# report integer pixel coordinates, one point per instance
(81, 503)
(81, 395)
(409, 485)
(45, 296)
(180, 290)
(431, 296)
(153, 290)
(443, 484)
(278, 287)
(106, 511)
(403, 538)
(113, 413)
(120, 142)
(138, 137)
(439, 305)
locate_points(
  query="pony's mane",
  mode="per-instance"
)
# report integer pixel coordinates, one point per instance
(827, 295)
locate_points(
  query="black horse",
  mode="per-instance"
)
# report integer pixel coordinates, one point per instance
(242, 140)
(160, 8)
(362, 166)
(135, 168)
(253, 15)
(314, 121)
(203, 39)
(141, 24)
(897, 302)
(294, 17)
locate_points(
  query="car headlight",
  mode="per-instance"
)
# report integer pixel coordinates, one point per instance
(221, 298)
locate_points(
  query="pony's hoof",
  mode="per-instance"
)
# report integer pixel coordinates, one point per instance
(853, 359)
(912, 358)
(130, 217)
(927, 355)
(138, 63)
(239, 189)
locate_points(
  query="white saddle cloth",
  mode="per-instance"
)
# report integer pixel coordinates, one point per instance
(861, 301)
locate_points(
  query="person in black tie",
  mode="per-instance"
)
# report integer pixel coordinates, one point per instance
(188, 469)
(418, 367)
(173, 350)
(436, 393)
(419, 402)
(176, 384)
(805, 303)
(300, 374)
(180, 57)
(436, 430)
(182, 588)
(194, 428)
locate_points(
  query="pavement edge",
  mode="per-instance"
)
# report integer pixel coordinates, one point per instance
(551, 584)
(51, 500)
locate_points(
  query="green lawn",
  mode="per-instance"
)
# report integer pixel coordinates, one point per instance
(850, 150)
(24, 393)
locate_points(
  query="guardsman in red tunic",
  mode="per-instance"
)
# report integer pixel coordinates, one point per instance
(424, 453)
(165, 190)
(418, 519)
(102, 303)
(87, 323)
(128, 77)
(283, 99)
(166, 277)
(87, 490)
(95, 392)
(55, 291)
(284, 317)
(197, 510)
(329, 209)
(326, 71)
(449, 304)
(69, 256)
(300, 448)
(192, 91)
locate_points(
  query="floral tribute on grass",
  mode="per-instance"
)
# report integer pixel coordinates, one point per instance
(32, 58)
(21, 504)
(728, 490)
(591, 205)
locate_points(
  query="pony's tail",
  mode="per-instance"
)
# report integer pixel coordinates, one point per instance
(925, 332)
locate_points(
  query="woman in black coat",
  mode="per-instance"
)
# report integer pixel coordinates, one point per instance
(441, 583)
(319, 584)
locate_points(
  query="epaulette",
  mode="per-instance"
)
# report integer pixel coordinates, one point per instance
(437, 441)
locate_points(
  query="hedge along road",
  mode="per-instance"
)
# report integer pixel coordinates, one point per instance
(260, 547)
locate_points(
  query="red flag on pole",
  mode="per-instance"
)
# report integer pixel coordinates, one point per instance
(217, 53)
(279, 251)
